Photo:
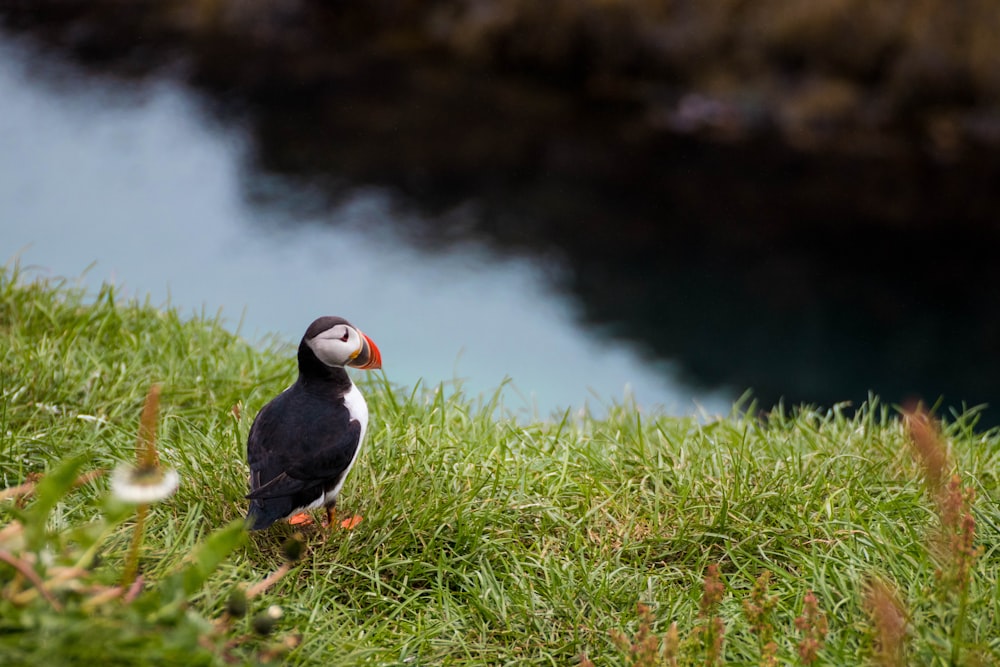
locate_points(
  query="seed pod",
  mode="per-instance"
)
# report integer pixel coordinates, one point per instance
(236, 605)
(293, 548)
(264, 622)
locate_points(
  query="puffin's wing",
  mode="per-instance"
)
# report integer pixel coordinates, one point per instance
(274, 473)
(282, 485)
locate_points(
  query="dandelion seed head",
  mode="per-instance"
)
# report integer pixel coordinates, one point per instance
(143, 484)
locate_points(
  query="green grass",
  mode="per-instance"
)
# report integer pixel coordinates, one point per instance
(485, 540)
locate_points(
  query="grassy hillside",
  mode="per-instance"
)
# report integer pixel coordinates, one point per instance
(483, 541)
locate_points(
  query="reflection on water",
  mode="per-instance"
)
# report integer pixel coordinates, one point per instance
(137, 185)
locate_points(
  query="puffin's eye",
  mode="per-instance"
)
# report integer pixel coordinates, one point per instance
(345, 336)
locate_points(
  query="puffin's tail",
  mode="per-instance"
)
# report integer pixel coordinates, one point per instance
(258, 516)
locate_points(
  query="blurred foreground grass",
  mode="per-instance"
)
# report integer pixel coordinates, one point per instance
(631, 539)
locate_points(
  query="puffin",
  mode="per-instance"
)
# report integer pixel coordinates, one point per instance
(304, 442)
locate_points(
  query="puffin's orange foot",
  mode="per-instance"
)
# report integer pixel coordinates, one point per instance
(346, 524)
(301, 519)
(350, 524)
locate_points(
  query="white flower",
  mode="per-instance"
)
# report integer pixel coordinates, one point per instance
(143, 485)
(274, 612)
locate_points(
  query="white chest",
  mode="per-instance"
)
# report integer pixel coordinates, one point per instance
(357, 408)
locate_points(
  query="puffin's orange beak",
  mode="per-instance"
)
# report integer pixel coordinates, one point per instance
(369, 358)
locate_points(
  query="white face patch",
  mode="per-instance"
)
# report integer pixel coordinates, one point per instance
(337, 345)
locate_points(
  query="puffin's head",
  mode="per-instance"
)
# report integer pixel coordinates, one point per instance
(336, 342)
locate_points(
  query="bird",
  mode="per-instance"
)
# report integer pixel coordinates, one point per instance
(304, 442)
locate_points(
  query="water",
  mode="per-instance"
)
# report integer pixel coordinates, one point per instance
(136, 186)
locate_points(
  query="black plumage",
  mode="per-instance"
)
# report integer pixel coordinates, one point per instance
(303, 443)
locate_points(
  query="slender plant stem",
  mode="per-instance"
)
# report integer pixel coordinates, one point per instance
(132, 563)
(956, 631)
(31, 576)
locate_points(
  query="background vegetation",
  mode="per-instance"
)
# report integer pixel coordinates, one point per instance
(819, 71)
(630, 538)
